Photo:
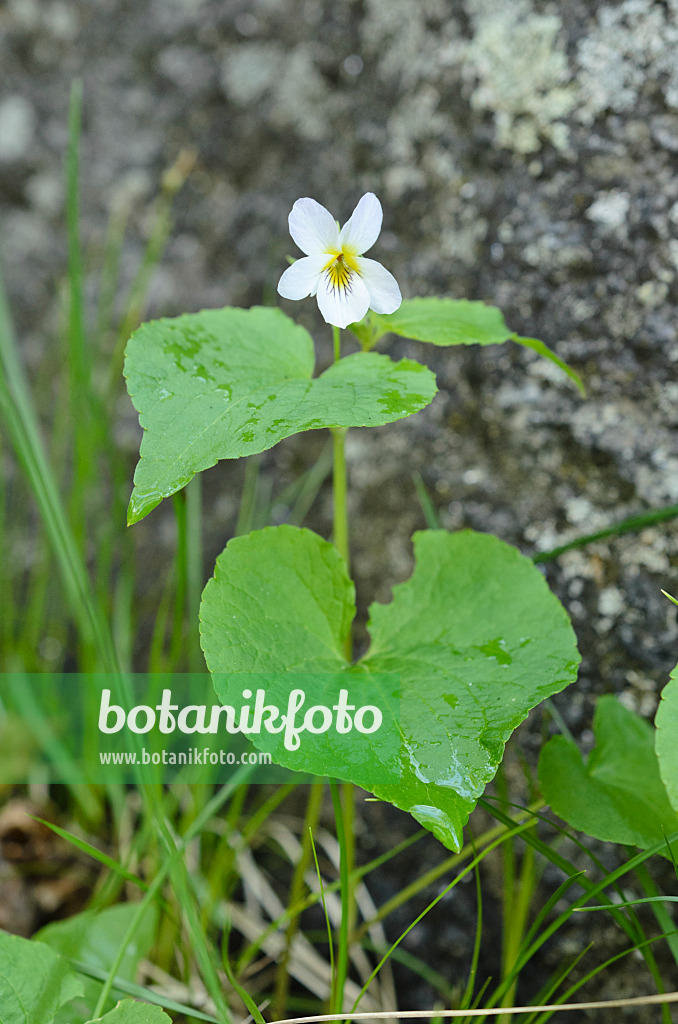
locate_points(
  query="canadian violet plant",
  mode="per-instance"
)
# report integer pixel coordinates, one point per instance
(464, 650)
(453, 666)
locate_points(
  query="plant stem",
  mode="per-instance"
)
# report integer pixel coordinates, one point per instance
(297, 892)
(344, 816)
(337, 1003)
(348, 790)
(340, 492)
(339, 481)
(194, 570)
(515, 928)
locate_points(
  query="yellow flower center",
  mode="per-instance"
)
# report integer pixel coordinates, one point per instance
(340, 270)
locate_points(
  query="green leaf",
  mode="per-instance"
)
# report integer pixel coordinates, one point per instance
(248, 625)
(541, 349)
(443, 322)
(666, 741)
(280, 606)
(451, 322)
(92, 851)
(475, 639)
(225, 383)
(618, 795)
(129, 1012)
(34, 981)
(93, 938)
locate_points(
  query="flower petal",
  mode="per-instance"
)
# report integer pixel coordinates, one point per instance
(382, 286)
(313, 228)
(301, 279)
(361, 230)
(342, 306)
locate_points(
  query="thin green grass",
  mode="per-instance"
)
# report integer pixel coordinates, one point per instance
(255, 1013)
(533, 941)
(22, 426)
(66, 533)
(589, 976)
(632, 524)
(81, 395)
(462, 874)
(169, 865)
(296, 893)
(328, 925)
(467, 995)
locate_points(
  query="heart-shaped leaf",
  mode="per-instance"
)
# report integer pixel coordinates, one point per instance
(475, 639)
(451, 322)
(225, 383)
(618, 795)
(93, 938)
(34, 981)
(129, 1012)
(666, 741)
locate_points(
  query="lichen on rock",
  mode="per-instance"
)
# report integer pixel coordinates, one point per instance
(518, 62)
(629, 47)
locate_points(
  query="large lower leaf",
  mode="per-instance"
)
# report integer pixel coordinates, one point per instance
(617, 795)
(93, 939)
(225, 383)
(666, 742)
(34, 981)
(475, 639)
(451, 322)
(129, 1012)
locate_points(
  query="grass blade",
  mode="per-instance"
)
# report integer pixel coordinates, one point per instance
(631, 525)
(22, 425)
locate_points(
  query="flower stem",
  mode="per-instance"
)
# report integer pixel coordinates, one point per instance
(346, 895)
(339, 485)
(344, 816)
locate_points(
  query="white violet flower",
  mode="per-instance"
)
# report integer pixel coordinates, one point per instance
(334, 269)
